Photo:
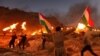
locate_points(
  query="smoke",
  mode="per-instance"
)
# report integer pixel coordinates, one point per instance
(76, 11)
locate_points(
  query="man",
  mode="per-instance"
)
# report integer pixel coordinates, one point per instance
(58, 39)
(43, 41)
(12, 41)
(87, 45)
(22, 41)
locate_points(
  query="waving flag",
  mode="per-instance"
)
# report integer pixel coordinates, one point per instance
(86, 19)
(44, 22)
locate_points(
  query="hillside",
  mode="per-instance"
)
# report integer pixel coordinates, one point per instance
(11, 16)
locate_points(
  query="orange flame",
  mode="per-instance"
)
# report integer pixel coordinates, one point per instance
(34, 33)
(7, 28)
(40, 31)
(80, 27)
(23, 25)
(11, 27)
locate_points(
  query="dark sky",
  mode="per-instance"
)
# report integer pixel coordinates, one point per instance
(61, 6)
(39, 5)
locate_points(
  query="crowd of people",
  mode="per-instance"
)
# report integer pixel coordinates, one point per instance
(58, 40)
(85, 37)
(21, 43)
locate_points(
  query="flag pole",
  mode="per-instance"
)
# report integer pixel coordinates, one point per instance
(40, 24)
(81, 16)
(83, 13)
(41, 30)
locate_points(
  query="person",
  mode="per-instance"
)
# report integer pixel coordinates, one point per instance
(87, 45)
(43, 41)
(58, 38)
(12, 41)
(22, 41)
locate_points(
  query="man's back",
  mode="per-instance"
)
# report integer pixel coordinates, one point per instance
(58, 39)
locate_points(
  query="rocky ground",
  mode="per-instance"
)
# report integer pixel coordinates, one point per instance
(72, 46)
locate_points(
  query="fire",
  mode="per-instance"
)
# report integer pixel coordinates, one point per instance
(80, 27)
(23, 25)
(34, 33)
(7, 28)
(11, 27)
(39, 32)
(52, 27)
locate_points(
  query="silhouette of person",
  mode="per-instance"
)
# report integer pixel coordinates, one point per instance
(87, 46)
(58, 39)
(43, 41)
(12, 41)
(22, 41)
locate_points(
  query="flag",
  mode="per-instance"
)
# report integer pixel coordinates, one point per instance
(44, 22)
(86, 19)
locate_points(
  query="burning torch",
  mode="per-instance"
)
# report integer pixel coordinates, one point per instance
(23, 27)
(10, 28)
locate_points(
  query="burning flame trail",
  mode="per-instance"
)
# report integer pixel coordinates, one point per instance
(7, 28)
(23, 25)
(11, 27)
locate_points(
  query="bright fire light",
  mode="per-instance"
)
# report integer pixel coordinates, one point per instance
(39, 32)
(80, 27)
(34, 33)
(23, 25)
(11, 27)
(7, 28)
(52, 27)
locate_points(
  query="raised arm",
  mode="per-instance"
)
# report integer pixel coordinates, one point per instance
(69, 31)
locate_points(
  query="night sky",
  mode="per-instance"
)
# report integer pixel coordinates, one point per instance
(39, 5)
(61, 6)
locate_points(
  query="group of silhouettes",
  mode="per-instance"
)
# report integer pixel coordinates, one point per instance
(21, 43)
(59, 42)
(58, 39)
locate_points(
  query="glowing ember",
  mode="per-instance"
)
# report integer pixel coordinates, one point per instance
(23, 25)
(11, 27)
(36, 32)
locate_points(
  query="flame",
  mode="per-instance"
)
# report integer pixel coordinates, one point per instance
(80, 27)
(7, 28)
(11, 27)
(52, 27)
(34, 33)
(23, 25)
(39, 32)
